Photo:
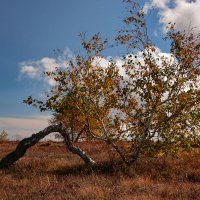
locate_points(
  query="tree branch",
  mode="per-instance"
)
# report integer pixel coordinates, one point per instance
(31, 141)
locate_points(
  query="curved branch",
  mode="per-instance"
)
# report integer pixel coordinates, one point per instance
(74, 149)
(29, 142)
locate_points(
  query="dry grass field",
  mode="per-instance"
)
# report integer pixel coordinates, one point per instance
(49, 171)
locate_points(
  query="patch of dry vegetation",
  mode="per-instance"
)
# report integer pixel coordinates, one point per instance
(48, 171)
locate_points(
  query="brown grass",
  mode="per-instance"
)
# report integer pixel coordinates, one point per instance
(49, 171)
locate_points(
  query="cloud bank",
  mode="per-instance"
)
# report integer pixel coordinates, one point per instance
(18, 128)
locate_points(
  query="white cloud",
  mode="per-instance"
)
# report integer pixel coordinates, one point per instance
(185, 13)
(49, 64)
(35, 69)
(30, 71)
(101, 61)
(105, 62)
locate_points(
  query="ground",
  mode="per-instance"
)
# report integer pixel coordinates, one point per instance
(49, 171)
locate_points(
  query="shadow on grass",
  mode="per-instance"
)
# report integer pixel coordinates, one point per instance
(99, 168)
(193, 178)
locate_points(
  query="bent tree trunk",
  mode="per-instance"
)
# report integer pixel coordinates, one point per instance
(29, 142)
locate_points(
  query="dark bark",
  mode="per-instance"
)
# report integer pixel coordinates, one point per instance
(137, 150)
(29, 142)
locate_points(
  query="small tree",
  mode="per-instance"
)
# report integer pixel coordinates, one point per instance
(3, 136)
(154, 106)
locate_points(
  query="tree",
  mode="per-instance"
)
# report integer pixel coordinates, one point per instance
(153, 108)
(3, 136)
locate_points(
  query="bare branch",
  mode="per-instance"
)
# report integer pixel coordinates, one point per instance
(31, 141)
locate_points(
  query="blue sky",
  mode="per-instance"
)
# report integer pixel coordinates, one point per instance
(31, 30)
